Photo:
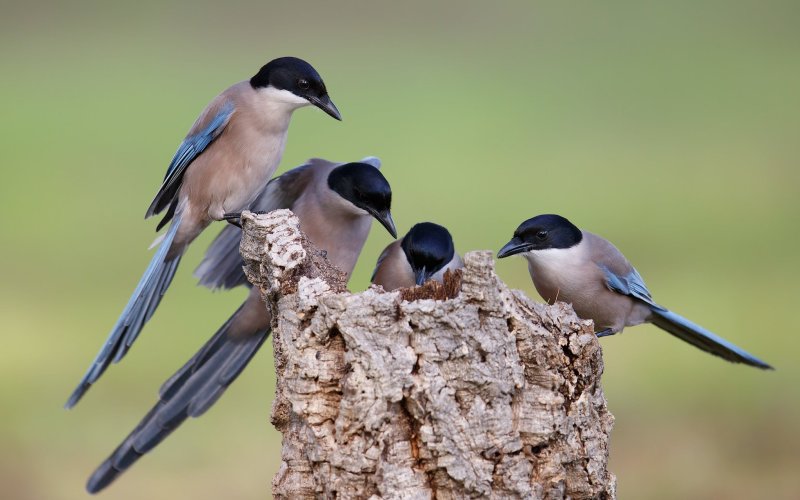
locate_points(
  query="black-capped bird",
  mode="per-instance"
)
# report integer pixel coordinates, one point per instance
(424, 253)
(581, 268)
(225, 160)
(335, 204)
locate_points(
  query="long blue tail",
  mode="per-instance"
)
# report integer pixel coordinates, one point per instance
(703, 339)
(188, 393)
(140, 308)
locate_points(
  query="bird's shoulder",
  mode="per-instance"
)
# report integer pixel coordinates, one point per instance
(223, 106)
(606, 255)
(283, 191)
(619, 273)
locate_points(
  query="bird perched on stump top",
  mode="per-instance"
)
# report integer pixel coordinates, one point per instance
(335, 204)
(225, 160)
(581, 268)
(425, 252)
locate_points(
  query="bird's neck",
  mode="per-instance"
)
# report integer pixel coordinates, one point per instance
(555, 258)
(278, 105)
(339, 232)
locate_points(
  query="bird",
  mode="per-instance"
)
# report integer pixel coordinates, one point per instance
(227, 157)
(425, 252)
(570, 265)
(335, 204)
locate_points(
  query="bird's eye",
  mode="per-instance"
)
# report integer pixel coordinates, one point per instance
(303, 84)
(541, 235)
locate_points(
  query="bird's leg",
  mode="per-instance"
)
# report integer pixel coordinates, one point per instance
(605, 333)
(234, 218)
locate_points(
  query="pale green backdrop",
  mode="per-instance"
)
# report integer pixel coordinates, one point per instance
(669, 127)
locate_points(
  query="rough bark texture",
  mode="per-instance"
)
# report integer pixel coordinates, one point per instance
(467, 390)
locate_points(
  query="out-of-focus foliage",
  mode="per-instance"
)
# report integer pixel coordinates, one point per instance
(670, 128)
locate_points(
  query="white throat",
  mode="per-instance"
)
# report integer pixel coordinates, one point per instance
(557, 258)
(275, 100)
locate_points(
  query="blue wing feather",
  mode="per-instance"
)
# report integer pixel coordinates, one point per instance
(631, 285)
(190, 148)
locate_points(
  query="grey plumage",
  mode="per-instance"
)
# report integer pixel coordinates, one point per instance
(221, 268)
(703, 339)
(227, 157)
(342, 232)
(587, 271)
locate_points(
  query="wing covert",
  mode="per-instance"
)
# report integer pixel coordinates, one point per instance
(631, 285)
(190, 148)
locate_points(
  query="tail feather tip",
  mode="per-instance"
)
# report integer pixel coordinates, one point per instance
(101, 478)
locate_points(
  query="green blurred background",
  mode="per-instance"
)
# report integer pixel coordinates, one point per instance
(669, 127)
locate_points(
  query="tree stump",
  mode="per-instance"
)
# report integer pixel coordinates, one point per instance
(462, 390)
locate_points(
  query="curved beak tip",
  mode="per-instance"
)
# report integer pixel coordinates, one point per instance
(510, 248)
(385, 218)
(390, 226)
(325, 104)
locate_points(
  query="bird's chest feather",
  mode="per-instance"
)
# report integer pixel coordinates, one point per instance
(394, 271)
(232, 171)
(563, 275)
(259, 158)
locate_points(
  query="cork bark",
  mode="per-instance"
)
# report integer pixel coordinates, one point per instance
(462, 390)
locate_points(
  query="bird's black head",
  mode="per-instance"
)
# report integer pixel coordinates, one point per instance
(364, 186)
(428, 248)
(298, 77)
(541, 233)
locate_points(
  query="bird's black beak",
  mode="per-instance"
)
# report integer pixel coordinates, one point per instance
(325, 104)
(385, 218)
(421, 276)
(513, 247)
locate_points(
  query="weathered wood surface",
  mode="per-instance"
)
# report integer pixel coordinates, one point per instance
(486, 394)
